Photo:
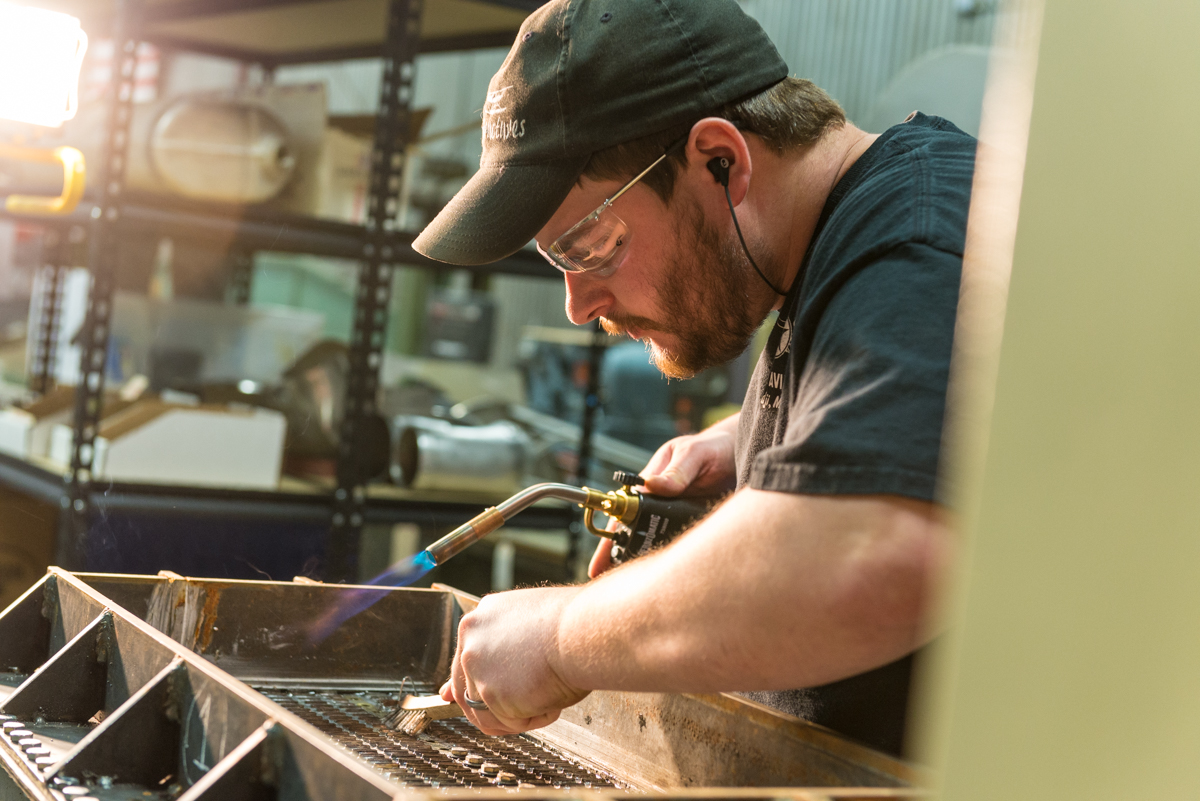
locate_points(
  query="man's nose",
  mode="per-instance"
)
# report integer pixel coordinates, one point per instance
(587, 298)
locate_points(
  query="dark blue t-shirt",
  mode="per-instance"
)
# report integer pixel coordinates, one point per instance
(849, 395)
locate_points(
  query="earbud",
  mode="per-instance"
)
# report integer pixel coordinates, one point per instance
(719, 167)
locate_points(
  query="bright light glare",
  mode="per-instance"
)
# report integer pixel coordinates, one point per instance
(40, 56)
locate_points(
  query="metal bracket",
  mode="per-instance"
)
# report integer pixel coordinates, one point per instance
(241, 275)
(374, 283)
(45, 333)
(103, 256)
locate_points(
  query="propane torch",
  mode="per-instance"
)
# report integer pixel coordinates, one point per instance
(645, 521)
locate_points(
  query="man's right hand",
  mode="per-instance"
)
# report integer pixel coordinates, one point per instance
(694, 464)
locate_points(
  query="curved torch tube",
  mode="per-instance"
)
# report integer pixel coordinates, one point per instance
(480, 526)
(74, 180)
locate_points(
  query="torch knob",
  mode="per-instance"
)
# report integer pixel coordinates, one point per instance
(626, 479)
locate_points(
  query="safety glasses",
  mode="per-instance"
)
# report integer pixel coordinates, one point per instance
(590, 245)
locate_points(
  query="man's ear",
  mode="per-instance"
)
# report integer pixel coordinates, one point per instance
(718, 150)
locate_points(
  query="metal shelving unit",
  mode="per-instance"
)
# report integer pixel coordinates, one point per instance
(254, 228)
(303, 31)
(300, 506)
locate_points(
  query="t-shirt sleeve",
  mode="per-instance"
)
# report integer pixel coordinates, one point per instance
(866, 416)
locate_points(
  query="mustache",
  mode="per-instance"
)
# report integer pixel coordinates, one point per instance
(619, 325)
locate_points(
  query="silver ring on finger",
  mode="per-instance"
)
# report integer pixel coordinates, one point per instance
(471, 702)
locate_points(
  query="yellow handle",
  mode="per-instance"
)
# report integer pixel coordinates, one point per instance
(74, 180)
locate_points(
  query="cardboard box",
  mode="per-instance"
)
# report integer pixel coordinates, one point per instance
(342, 178)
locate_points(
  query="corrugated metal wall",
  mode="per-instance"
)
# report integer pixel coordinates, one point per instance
(852, 48)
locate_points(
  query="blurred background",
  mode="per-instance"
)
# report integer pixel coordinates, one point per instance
(273, 404)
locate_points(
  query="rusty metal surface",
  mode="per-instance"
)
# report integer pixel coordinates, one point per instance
(666, 741)
(224, 698)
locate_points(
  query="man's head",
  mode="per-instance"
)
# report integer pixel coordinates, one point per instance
(705, 297)
(591, 93)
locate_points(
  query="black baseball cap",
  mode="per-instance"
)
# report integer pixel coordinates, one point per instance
(584, 75)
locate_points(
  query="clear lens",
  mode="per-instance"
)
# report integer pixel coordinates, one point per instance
(591, 244)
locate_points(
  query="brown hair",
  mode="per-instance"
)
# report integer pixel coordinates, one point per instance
(791, 114)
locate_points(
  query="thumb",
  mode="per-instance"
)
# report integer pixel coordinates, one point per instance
(671, 481)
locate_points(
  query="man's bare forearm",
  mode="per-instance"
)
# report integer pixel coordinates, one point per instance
(772, 591)
(728, 424)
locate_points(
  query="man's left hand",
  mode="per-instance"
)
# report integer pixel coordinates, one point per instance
(508, 658)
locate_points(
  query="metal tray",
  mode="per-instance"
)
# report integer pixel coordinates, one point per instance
(134, 687)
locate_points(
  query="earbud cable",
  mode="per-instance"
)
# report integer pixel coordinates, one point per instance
(742, 239)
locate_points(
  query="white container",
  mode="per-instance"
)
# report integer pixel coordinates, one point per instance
(236, 342)
(26, 432)
(154, 442)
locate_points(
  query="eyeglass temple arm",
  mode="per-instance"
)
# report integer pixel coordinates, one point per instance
(670, 149)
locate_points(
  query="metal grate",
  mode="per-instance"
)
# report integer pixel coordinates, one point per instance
(450, 753)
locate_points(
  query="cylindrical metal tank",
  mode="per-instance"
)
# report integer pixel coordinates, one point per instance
(436, 454)
(222, 151)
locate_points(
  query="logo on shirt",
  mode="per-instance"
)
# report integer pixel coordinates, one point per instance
(778, 345)
(772, 391)
(495, 126)
(785, 339)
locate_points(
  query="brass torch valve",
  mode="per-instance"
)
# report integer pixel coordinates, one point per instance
(645, 521)
(621, 505)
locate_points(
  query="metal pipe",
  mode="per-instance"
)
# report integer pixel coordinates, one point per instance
(493, 518)
(434, 454)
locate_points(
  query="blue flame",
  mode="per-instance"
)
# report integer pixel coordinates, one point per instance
(352, 602)
(406, 571)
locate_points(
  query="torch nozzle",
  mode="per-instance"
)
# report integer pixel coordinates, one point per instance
(491, 519)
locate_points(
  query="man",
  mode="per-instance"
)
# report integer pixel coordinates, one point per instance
(631, 139)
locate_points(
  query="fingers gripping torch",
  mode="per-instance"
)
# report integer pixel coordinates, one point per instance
(645, 521)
